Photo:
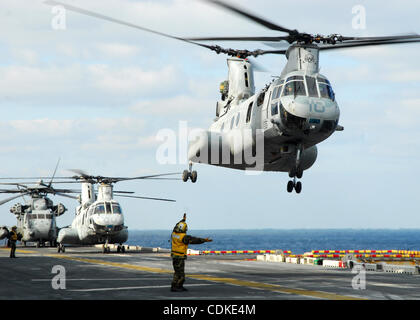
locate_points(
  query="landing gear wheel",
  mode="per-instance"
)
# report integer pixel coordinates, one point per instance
(122, 249)
(290, 186)
(119, 249)
(61, 248)
(185, 175)
(292, 173)
(298, 187)
(299, 174)
(189, 174)
(193, 176)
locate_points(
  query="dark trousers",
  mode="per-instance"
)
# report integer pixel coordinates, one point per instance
(12, 249)
(179, 274)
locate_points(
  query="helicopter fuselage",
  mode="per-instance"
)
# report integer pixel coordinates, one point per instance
(36, 220)
(290, 116)
(96, 221)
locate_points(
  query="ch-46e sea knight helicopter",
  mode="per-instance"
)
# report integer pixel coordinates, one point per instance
(36, 217)
(99, 218)
(291, 115)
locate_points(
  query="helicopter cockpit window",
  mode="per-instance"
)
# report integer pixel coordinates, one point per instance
(326, 91)
(274, 109)
(100, 209)
(294, 88)
(249, 112)
(311, 84)
(294, 78)
(116, 209)
(275, 92)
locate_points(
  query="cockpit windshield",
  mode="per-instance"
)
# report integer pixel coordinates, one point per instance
(116, 208)
(325, 89)
(108, 208)
(294, 88)
(99, 209)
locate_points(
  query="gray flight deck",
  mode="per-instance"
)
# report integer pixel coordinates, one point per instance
(91, 274)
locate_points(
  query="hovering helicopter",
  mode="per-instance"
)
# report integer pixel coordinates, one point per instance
(291, 115)
(99, 218)
(36, 218)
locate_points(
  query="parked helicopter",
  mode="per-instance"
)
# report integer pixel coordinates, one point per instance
(99, 218)
(288, 117)
(36, 218)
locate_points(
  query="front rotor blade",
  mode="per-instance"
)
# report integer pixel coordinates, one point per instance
(146, 198)
(382, 38)
(261, 21)
(365, 44)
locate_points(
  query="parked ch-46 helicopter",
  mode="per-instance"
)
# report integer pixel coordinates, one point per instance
(99, 218)
(292, 114)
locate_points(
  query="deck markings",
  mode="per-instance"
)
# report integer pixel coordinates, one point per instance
(231, 281)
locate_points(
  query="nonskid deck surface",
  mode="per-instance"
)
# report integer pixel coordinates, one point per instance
(38, 273)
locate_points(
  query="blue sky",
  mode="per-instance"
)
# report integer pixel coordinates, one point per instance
(96, 94)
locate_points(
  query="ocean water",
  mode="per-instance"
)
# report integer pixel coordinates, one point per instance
(298, 241)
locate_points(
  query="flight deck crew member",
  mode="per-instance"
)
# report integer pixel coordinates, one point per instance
(13, 236)
(180, 242)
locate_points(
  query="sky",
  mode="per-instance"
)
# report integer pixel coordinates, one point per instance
(96, 95)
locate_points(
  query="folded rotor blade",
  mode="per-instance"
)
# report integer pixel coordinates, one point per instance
(146, 198)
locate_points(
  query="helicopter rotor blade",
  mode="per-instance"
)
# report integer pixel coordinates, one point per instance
(262, 39)
(146, 198)
(128, 24)
(55, 171)
(367, 43)
(12, 198)
(259, 20)
(66, 195)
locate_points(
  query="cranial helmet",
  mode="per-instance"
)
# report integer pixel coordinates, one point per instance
(181, 227)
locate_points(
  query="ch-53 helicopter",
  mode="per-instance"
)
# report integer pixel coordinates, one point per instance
(286, 119)
(99, 218)
(36, 218)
